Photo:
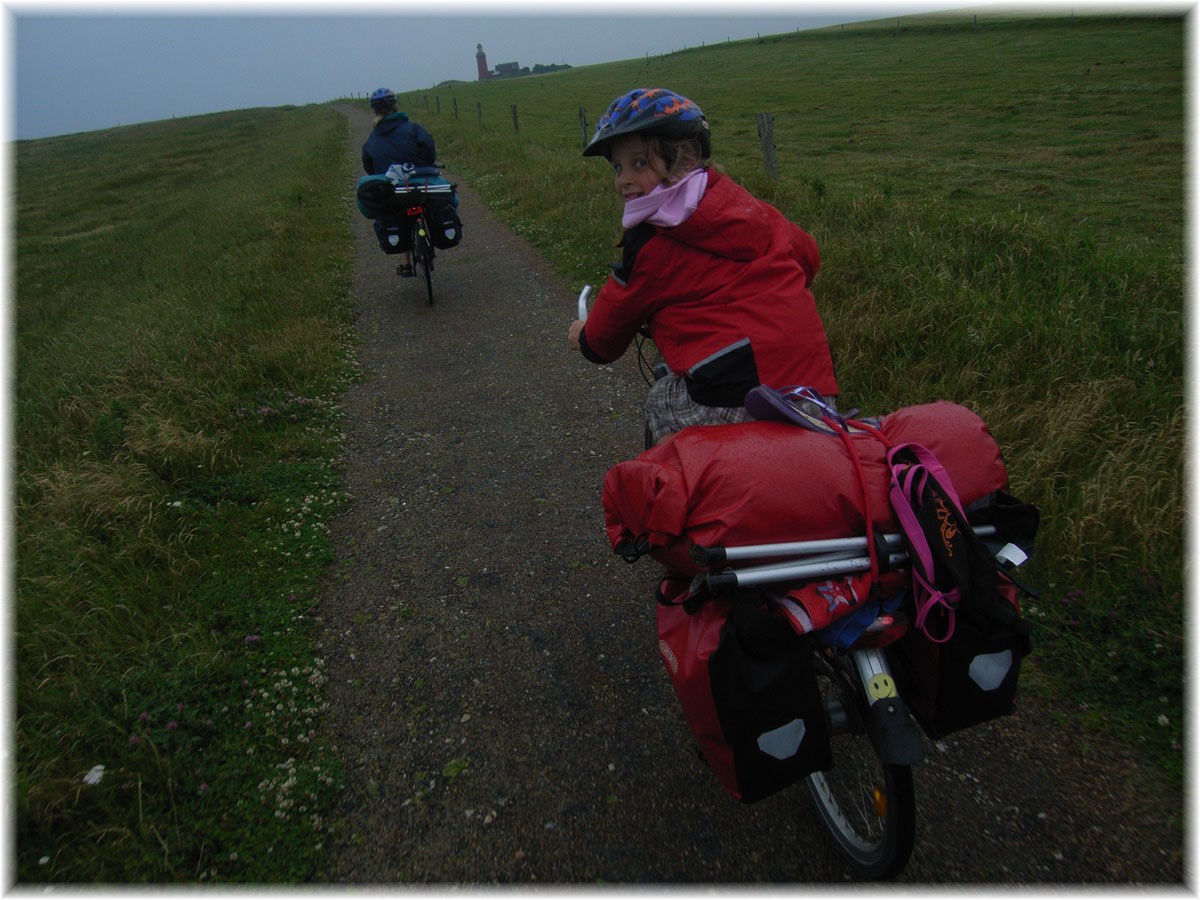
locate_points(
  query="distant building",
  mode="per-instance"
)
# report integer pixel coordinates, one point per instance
(509, 69)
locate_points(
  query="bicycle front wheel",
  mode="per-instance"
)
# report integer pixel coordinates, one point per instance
(868, 806)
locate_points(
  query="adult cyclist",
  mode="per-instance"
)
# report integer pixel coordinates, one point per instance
(397, 141)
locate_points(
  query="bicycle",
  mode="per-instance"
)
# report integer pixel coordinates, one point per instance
(415, 199)
(864, 793)
(866, 799)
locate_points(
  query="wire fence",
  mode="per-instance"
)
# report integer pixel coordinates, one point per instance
(765, 128)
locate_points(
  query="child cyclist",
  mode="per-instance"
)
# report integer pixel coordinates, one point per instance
(719, 279)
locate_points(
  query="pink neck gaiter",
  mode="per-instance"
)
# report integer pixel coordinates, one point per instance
(667, 206)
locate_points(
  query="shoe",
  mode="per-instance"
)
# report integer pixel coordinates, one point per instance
(406, 271)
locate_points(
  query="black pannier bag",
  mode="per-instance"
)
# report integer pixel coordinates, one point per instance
(377, 199)
(745, 680)
(971, 677)
(392, 235)
(445, 227)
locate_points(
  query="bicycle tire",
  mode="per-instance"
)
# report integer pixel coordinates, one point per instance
(869, 807)
(422, 255)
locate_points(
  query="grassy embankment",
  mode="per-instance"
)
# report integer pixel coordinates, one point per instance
(182, 327)
(1000, 208)
(1000, 213)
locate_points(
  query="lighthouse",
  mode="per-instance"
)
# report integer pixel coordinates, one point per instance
(481, 62)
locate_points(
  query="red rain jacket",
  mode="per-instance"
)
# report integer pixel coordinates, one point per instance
(726, 296)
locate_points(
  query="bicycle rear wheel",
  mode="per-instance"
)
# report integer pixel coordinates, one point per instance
(868, 806)
(422, 255)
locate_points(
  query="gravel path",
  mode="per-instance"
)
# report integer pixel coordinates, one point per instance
(494, 682)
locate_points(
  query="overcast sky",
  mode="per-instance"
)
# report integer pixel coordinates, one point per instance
(82, 66)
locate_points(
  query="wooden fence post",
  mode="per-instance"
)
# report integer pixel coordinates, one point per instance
(583, 135)
(456, 107)
(516, 126)
(438, 103)
(766, 134)
(479, 112)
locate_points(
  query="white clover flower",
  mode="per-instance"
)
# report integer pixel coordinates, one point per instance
(94, 775)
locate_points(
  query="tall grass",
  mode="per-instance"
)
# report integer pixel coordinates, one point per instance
(999, 203)
(182, 323)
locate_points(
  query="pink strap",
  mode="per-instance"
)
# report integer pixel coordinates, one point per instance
(932, 465)
(909, 481)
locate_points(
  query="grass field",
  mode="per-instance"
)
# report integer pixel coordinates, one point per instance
(999, 205)
(183, 328)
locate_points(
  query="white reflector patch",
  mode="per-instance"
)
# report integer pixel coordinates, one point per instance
(783, 742)
(668, 657)
(988, 670)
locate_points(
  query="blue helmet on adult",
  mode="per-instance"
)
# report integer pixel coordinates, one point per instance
(383, 98)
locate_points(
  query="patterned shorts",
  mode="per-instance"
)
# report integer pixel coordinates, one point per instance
(669, 408)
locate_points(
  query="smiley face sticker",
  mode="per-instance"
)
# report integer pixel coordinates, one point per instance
(880, 687)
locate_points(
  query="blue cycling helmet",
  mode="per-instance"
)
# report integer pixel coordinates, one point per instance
(385, 97)
(652, 111)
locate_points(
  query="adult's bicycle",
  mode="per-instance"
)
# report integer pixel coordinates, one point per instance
(416, 201)
(415, 212)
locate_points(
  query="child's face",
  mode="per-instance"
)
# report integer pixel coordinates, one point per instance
(638, 170)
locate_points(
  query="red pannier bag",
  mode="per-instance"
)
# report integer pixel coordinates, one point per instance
(745, 681)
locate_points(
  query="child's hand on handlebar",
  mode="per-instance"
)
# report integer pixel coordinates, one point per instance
(577, 326)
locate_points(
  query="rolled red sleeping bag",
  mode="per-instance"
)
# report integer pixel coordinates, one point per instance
(770, 482)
